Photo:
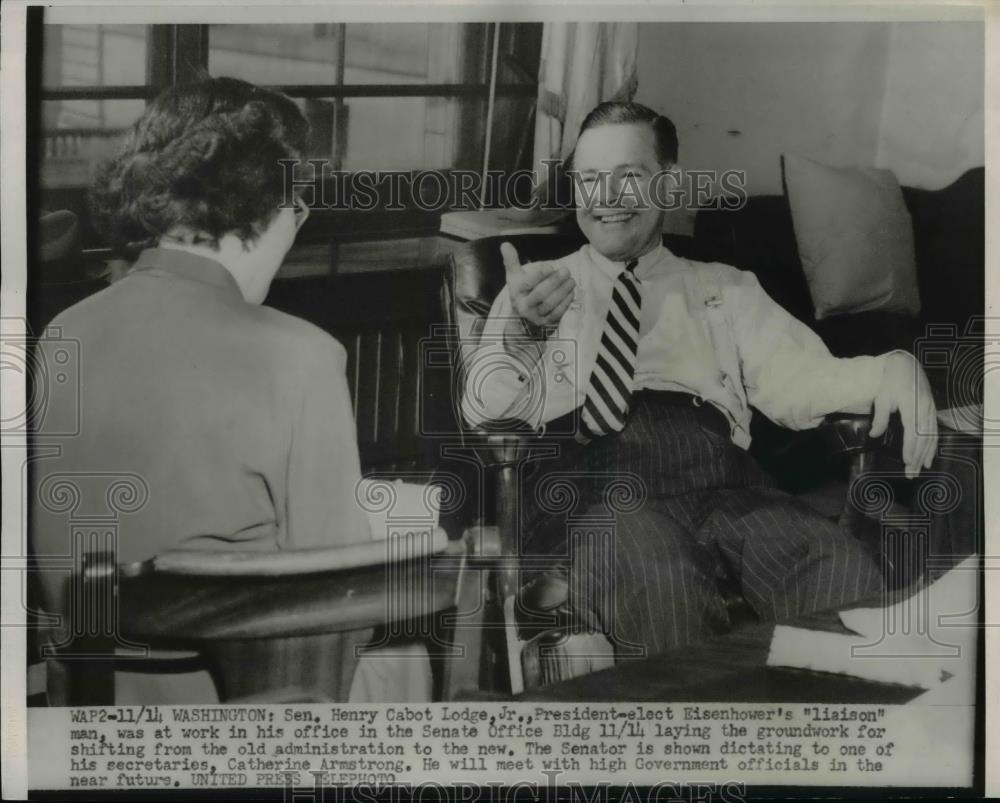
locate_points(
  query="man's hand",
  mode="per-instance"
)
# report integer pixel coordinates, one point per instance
(905, 388)
(540, 293)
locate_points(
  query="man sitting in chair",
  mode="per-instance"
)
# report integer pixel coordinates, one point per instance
(670, 355)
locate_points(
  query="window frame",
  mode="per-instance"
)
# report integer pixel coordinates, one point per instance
(178, 53)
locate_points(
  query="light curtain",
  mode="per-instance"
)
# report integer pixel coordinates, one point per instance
(583, 63)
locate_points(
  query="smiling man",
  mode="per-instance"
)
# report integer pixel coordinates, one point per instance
(670, 355)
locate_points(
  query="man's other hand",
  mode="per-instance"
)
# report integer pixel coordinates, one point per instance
(905, 388)
(539, 292)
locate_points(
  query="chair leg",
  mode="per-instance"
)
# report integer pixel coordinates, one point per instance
(320, 666)
(494, 668)
(559, 654)
(514, 647)
(850, 517)
(900, 557)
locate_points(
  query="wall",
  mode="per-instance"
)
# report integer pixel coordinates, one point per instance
(903, 95)
(932, 127)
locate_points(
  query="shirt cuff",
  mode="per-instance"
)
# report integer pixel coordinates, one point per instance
(494, 381)
(867, 378)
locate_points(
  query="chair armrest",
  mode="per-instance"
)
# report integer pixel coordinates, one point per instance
(288, 562)
(839, 435)
(800, 459)
(850, 433)
(511, 447)
(845, 433)
(505, 443)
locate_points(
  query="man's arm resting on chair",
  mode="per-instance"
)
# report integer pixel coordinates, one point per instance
(792, 378)
(904, 389)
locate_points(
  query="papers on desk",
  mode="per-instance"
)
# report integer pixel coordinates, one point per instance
(962, 419)
(927, 640)
(395, 507)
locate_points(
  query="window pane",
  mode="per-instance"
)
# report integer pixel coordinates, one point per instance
(374, 53)
(275, 54)
(413, 53)
(78, 134)
(392, 133)
(396, 133)
(392, 53)
(94, 55)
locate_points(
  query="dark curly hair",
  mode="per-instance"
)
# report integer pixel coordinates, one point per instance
(204, 157)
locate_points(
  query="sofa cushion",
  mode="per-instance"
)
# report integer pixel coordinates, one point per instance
(854, 236)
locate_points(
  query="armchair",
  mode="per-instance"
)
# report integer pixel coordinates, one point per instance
(279, 614)
(539, 627)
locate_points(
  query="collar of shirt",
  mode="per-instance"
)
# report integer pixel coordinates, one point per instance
(185, 265)
(648, 262)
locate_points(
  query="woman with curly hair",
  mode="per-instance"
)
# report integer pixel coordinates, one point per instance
(234, 418)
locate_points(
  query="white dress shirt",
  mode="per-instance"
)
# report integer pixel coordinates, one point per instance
(785, 370)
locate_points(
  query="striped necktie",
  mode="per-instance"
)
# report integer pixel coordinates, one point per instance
(610, 390)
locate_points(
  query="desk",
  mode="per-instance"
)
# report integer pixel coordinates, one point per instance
(729, 668)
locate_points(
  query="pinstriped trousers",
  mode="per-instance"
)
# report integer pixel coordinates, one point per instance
(707, 501)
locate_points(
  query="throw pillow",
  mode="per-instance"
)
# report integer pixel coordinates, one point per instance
(854, 235)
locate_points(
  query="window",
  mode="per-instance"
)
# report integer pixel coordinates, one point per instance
(78, 62)
(94, 55)
(385, 96)
(402, 95)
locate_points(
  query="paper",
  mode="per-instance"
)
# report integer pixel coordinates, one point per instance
(822, 651)
(397, 507)
(927, 640)
(935, 628)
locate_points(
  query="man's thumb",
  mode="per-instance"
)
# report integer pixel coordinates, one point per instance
(511, 261)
